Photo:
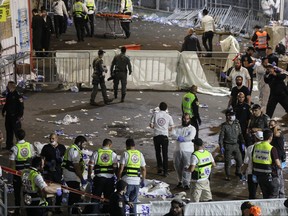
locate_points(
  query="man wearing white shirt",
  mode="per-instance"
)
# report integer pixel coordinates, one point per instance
(59, 10)
(183, 150)
(162, 123)
(238, 70)
(208, 25)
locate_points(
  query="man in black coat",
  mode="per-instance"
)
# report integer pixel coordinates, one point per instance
(48, 29)
(191, 42)
(37, 27)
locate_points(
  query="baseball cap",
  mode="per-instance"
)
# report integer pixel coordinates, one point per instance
(246, 205)
(259, 135)
(101, 51)
(255, 211)
(197, 141)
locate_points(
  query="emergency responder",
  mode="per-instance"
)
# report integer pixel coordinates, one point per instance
(183, 150)
(249, 63)
(230, 135)
(119, 71)
(104, 163)
(260, 40)
(132, 164)
(278, 90)
(90, 4)
(79, 13)
(200, 165)
(20, 159)
(73, 168)
(126, 7)
(265, 164)
(162, 123)
(190, 105)
(35, 188)
(99, 78)
(248, 165)
(13, 111)
(53, 154)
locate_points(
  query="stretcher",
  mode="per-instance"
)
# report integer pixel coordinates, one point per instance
(113, 23)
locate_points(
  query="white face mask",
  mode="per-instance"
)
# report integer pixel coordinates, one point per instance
(54, 143)
(232, 118)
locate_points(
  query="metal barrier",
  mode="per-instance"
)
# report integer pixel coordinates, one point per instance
(112, 6)
(3, 198)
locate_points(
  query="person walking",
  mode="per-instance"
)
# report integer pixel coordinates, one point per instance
(249, 63)
(190, 105)
(278, 90)
(37, 32)
(79, 12)
(200, 165)
(20, 159)
(48, 29)
(59, 10)
(13, 111)
(73, 167)
(208, 26)
(126, 7)
(133, 171)
(230, 135)
(119, 70)
(191, 42)
(260, 40)
(35, 188)
(104, 163)
(99, 79)
(248, 166)
(162, 123)
(184, 135)
(265, 165)
(90, 4)
(53, 154)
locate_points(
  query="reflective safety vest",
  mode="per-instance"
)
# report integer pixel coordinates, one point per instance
(128, 6)
(78, 10)
(261, 157)
(90, 5)
(23, 155)
(261, 42)
(203, 168)
(133, 165)
(67, 164)
(28, 180)
(187, 101)
(104, 162)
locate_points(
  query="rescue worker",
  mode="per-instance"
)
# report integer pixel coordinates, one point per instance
(133, 171)
(230, 135)
(200, 165)
(119, 67)
(35, 188)
(260, 40)
(190, 105)
(99, 79)
(79, 13)
(208, 25)
(265, 164)
(13, 111)
(126, 7)
(162, 123)
(90, 4)
(73, 167)
(104, 163)
(278, 90)
(183, 150)
(19, 159)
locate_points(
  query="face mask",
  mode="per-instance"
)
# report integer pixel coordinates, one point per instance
(54, 143)
(232, 118)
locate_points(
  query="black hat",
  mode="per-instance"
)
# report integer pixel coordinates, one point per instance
(229, 113)
(198, 142)
(246, 205)
(257, 27)
(120, 185)
(101, 52)
(256, 106)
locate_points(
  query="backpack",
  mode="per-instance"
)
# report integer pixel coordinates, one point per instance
(280, 49)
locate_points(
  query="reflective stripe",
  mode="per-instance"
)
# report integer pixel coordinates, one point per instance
(133, 165)
(187, 101)
(104, 162)
(67, 164)
(78, 9)
(204, 164)
(261, 42)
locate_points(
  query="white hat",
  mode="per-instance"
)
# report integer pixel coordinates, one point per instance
(259, 135)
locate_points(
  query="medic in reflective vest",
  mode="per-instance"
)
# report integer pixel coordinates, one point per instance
(260, 38)
(132, 167)
(104, 163)
(67, 164)
(203, 168)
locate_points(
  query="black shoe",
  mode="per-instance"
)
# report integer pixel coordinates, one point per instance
(179, 185)
(93, 103)
(227, 178)
(159, 171)
(186, 187)
(108, 101)
(165, 174)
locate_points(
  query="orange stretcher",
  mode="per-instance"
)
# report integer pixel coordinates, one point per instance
(113, 23)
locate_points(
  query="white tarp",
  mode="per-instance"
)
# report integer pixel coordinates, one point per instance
(152, 69)
(230, 44)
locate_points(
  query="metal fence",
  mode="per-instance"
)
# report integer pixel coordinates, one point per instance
(3, 198)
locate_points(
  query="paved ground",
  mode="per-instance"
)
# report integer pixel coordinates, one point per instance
(119, 121)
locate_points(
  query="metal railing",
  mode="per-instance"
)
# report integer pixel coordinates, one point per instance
(3, 198)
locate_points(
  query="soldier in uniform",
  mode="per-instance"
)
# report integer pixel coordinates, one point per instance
(73, 167)
(99, 78)
(19, 159)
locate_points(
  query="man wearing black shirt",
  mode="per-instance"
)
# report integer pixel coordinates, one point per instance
(249, 63)
(191, 42)
(13, 111)
(272, 58)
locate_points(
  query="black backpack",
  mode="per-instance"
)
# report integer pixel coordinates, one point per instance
(280, 49)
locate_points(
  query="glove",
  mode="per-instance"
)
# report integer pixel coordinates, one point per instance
(83, 182)
(222, 150)
(180, 139)
(223, 75)
(243, 147)
(59, 192)
(142, 183)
